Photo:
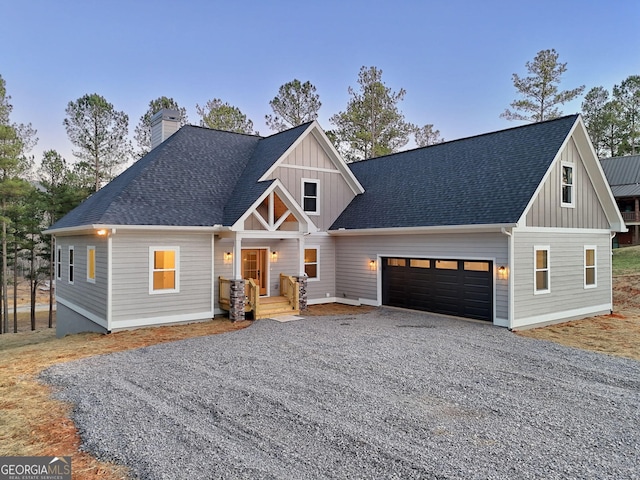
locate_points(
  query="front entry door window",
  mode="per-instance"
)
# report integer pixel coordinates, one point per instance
(254, 266)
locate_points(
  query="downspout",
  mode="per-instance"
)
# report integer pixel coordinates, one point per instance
(511, 283)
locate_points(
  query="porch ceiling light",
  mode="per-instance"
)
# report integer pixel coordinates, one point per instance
(102, 232)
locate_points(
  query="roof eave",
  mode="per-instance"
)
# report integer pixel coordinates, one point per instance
(92, 228)
(485, 228)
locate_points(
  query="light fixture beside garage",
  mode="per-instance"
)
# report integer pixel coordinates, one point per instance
(502, 272)
(372, 265)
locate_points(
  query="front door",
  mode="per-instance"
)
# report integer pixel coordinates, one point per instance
(254, 266)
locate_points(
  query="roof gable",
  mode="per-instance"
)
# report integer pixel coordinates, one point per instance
(483, 180)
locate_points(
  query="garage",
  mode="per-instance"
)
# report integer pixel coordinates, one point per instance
(463, 288)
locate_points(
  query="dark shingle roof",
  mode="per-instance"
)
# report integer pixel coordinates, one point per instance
(623, 175)
(197, 177)
(249, 189)
(487, 179)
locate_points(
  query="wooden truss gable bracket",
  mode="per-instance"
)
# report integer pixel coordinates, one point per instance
(271, 224)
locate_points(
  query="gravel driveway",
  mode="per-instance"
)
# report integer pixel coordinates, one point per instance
(389, 394)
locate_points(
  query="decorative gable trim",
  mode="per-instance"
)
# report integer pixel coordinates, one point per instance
(271, 223)
(315, 130)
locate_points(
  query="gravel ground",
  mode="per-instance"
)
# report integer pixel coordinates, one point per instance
(389, 394)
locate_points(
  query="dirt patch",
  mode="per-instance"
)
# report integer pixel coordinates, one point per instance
(334, 309)
(616, 334)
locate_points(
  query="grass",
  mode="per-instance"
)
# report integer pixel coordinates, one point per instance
(626, 260)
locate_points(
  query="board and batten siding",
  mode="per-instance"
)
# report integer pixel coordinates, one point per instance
(88, 296)
(547, 211)
(132, 302)
(567, 298)
(309, 160)
(356, 281)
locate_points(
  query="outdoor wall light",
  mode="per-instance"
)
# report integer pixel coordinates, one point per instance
(227, 257)
(274, 256)
(502, 272)
(372, 265)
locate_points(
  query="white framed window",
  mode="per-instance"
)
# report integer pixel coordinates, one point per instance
(58, 263)
(311, 263)
(311, 196)
(590, 267)
(541, 270)
(567, 185)
(164, 270)
(71, 264)
(91, 264)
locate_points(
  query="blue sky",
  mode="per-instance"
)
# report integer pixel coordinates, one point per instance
(454, 58)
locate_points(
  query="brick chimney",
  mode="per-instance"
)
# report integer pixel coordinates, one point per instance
(163, 124)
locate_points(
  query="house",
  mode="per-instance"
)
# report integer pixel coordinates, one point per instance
(512, 227)
(623, 174)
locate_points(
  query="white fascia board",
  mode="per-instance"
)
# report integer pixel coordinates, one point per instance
(286, 198)
(562, 230)
(490, 228)
(316, 130)
(91, 229)
(598, 178)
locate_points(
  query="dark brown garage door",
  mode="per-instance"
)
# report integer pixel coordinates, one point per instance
(463, 288)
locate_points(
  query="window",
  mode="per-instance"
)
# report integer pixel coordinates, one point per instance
(396, 262)
(447, 264)
(164, 271)
(476, 266)
(311, 263)
(567, 185)
(71, 264)
(59, 263)
(590, 277)
(417, 263)
(91, 264)
(310, 196)
(541, 269)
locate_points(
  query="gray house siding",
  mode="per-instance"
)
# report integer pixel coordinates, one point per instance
(355, 280)
(546, 211)
(83, 296)
(568, 298)
(132, 302)
(309, 160)
(324, 288)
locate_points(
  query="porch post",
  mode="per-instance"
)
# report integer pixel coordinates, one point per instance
(236, 285)
(302, 276)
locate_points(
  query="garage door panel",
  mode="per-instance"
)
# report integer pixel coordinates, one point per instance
(451, 287)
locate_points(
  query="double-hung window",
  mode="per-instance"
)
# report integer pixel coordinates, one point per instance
(567, 185)
(164, 270)
(58, 263)
(310, 196)
(71, 264)
(541, 279)
(91, 264)
(311, 263)
(590, 268)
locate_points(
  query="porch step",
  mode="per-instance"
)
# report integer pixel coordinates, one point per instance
(271, 306)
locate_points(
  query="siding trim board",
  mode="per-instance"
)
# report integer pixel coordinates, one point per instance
(561, 316)
(169, 319)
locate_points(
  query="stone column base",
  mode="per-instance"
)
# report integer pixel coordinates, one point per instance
(302, 303)
(236, 300)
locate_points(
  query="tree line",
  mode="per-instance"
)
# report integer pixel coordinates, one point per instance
(371, 125)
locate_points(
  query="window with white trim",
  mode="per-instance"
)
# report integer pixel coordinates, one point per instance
(91, 264)
(311, 257)
(71, 264)
(59, 263)
(310, 196)
(541, 276)
(567, 185)
(590, 267)
(164, 270)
